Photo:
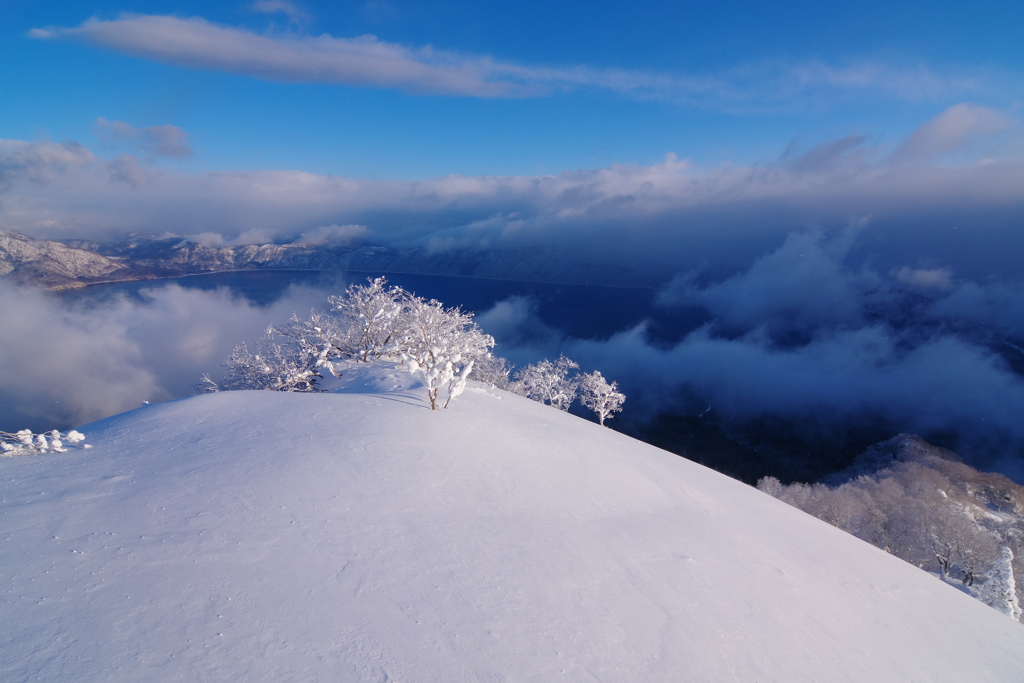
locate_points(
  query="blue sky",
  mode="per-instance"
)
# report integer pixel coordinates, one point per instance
(876, 69)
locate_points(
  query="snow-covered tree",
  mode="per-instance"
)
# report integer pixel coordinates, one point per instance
(318, 339)
(371, 320)
(493, 370)
(271, 367)
(962, 548)
(549, 382)
(772, 486)
(441, 345)
(25, 442)
(1000, 589)
(601, 397)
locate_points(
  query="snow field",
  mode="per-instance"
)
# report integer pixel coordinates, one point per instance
(359, 536)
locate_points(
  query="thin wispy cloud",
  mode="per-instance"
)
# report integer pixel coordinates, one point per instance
(166, 140)
(295, 14)
(362, 61)
(367, 61)
(963, 128)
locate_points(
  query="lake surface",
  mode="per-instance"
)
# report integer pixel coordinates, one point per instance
(580, 311)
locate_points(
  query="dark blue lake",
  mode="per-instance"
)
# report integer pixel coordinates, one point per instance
(580, 311)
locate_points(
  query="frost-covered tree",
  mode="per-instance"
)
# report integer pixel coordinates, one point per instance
(961, 547)
(772, 486)
(317, 340)
(493, 370)
(601, 397)
(372, 320)
(1000, 588)
(25, 442)
(441, 344)
(270, 367)
(549, 382)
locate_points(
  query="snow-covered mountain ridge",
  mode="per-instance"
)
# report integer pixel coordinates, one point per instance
(69, 264)
(359, 536)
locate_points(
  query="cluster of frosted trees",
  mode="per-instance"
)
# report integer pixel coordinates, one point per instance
(25, 442)
(942, 516)
(555, 383)
(444, 346)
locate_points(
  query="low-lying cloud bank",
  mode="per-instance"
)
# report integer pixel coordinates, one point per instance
(67, 362)
(806, 339)
(949, 196)
(803, 335)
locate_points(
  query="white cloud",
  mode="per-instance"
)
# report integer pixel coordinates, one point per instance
(295, 14)
(166, 140)
(663, 218)
(943, 383)
(370, 62)
(333, 234)
(925, 278)
(801, 285)
(39, 162)
(962, 127)
(64, 365)
(361, 61)
(127, 169)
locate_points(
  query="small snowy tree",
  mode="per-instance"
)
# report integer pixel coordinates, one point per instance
(772, 486)
(549, 382)
(1000, 589)
(24, 442)
(601, 397)
(441, 345)
(493, 370)
(272, 367)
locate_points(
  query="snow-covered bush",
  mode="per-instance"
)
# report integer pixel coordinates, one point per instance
(601, 397)
(25, 442)
(270, 367)
(549, 382)
(441, 345)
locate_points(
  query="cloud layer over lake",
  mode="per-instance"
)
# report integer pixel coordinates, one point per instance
(843, 281)
(951, 195)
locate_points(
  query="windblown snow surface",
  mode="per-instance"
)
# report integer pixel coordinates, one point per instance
(358, 536)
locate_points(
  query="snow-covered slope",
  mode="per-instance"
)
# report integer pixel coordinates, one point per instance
(360, 537)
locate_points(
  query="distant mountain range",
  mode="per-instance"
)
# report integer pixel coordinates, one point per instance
(68, 264)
